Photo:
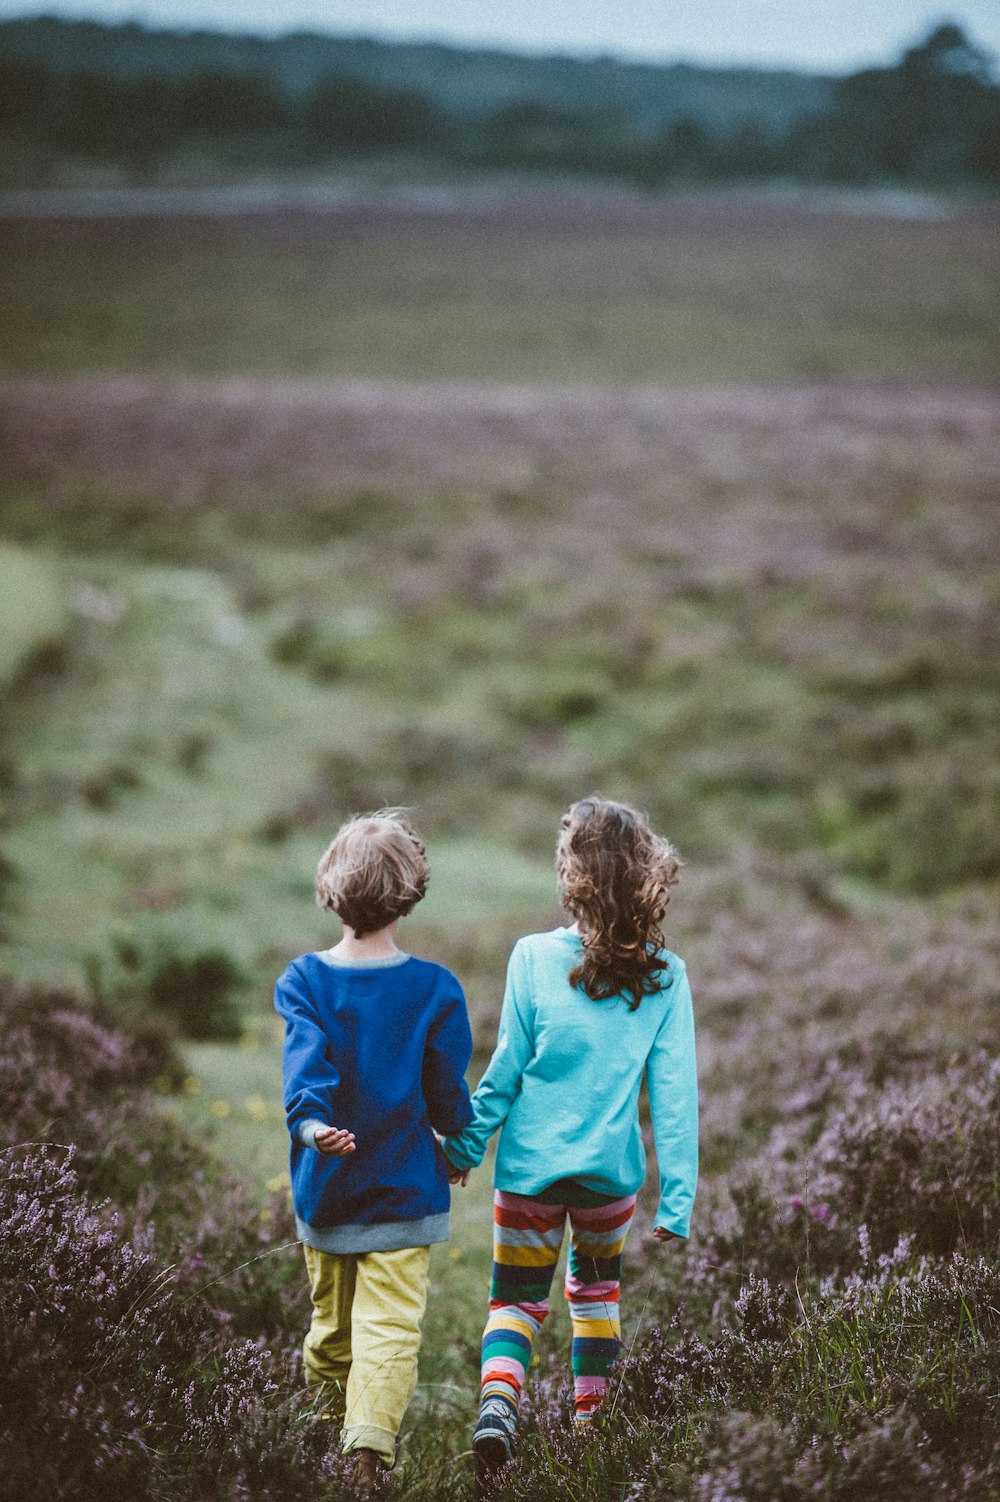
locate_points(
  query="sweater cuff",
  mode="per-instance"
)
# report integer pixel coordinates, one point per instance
(667, 1220)
(458, 1156)
(681, 1235)
(307, 1131)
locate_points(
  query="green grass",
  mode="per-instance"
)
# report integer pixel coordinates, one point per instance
(233, 1095)
(214, 719)
(167, 747)
(34, 617)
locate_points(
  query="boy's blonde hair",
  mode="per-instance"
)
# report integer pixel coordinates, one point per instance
(373, 871)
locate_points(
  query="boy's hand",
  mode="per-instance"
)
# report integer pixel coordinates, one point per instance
(458, 1175)
(335, 1142)
(662, 1234)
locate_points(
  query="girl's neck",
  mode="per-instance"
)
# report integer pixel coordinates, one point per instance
(380, 945)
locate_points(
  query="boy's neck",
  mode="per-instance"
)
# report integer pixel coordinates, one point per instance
(380, 945)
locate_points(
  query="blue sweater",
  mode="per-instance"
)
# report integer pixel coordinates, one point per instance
(563, 1084)
(382, 1050)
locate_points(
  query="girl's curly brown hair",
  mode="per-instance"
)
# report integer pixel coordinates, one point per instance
(615, 877)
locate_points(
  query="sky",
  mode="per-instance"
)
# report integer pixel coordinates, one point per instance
(817, 35)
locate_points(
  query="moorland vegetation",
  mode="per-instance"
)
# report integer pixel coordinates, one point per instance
(239, 603)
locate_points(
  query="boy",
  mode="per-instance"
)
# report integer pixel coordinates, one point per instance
(376, 1048)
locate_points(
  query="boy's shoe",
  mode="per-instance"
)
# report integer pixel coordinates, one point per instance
(493, 1443)
(372, 1473)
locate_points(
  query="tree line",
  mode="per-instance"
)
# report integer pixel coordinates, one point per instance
(933, 119)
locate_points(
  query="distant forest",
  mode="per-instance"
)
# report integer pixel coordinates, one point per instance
(153, 102)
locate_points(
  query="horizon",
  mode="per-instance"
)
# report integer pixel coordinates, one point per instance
(911, 22)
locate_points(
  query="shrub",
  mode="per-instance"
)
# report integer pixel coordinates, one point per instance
(304, 644)
(60, 1060)
(132, 1328)
(70, 1079)
(764, 1460)
(917, 1157)
(887, 1380)
(115, 1384)
(196, 992)
(102, 788)
(547, 700)
(187, 980)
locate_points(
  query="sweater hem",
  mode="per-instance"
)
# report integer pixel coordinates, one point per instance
(535, 1184)
(383, 1236)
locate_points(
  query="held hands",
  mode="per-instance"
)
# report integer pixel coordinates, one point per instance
(335, 1142)
(455, 1175)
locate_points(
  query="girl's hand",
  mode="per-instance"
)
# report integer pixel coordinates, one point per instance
(335, 1142)
(662, 1234)
(458, 1175)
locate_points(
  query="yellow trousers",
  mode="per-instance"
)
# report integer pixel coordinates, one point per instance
(361, 1349)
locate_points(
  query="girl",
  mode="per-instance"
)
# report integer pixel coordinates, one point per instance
(587, 1011)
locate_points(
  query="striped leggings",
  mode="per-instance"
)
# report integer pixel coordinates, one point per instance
(527, 1236)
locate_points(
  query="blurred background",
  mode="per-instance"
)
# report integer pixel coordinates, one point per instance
(474, 418)
(633, 101)
(472, 412)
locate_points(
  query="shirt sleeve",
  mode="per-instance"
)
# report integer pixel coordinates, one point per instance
(672, 1082)
(310, 1077)
(500, 1085)
(446, 1058)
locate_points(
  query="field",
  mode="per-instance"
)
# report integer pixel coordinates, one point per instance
(514, 287)
(478, 507)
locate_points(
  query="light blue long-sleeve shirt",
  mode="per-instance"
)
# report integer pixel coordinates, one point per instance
(563, 1084)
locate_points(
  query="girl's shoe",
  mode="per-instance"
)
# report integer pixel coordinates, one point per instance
(493, 1443)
